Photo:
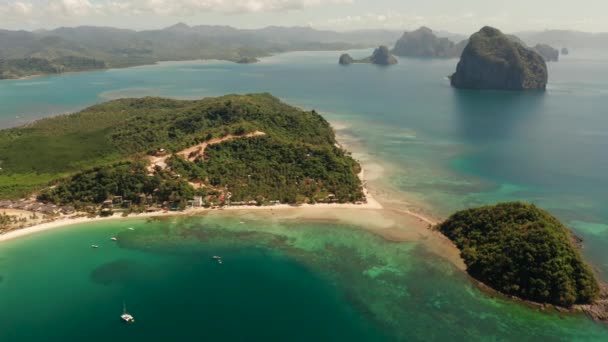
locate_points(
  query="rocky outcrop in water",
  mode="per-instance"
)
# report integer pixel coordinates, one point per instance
(423, 43)
(565, 51)
(346, 59)
(381, 56)
(549, 54)
(491, 60)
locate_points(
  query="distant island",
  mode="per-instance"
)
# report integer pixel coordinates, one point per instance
(247, 60)
(153, 153)
(565, 51)
(345, 59)
(18, 68)
(521, 250)
(423, 43)
(492, 60)
(70, 49)
(549, 53)
(380, 56)
(67, 49)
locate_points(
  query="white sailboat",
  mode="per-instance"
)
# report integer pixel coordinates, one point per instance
(126, 317)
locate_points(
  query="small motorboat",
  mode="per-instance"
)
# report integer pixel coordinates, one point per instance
(114, 238)
(217, 257)
(131, 228)
(94, 246)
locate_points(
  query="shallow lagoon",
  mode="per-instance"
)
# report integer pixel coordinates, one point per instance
(296, 281)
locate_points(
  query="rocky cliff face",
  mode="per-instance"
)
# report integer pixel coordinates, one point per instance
(493, 61)
(423, 43)
(549, 54)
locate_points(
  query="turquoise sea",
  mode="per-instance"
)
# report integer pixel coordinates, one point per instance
(440, 149)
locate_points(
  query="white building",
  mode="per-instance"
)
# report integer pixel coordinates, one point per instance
(197, 201)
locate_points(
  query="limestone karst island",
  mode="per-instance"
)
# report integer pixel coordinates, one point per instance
(491, 60)
(380, 56)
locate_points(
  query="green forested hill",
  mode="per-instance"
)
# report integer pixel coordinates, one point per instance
(521, 250)
(87, 154)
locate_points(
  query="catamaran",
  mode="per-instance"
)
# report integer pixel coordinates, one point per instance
(126, 317)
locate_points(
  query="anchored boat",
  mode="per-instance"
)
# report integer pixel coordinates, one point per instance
(126, 317)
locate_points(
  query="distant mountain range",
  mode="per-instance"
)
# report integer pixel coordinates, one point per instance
(24, 53)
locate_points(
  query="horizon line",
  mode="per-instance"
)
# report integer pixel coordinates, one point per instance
(294, 27)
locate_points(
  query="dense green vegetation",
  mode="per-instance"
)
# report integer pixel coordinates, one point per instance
(98, 153)
(265, 168)
(128, 179)
(521, 250)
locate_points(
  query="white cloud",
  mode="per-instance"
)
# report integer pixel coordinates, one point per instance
(465, 22)
(70, 8)
(16, 8)
(388, 14)
(389, 20)
(28, 9)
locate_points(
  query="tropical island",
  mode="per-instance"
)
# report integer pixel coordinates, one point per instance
(423, 43)
(493, 60)
(152, 154)
(523, 251)
(380, 56)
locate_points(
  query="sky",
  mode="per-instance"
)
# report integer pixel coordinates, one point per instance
(462, 16)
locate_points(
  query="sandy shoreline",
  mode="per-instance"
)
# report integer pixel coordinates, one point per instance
(394, 219)
(72, 220)
(393, 223)
(371, 203)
